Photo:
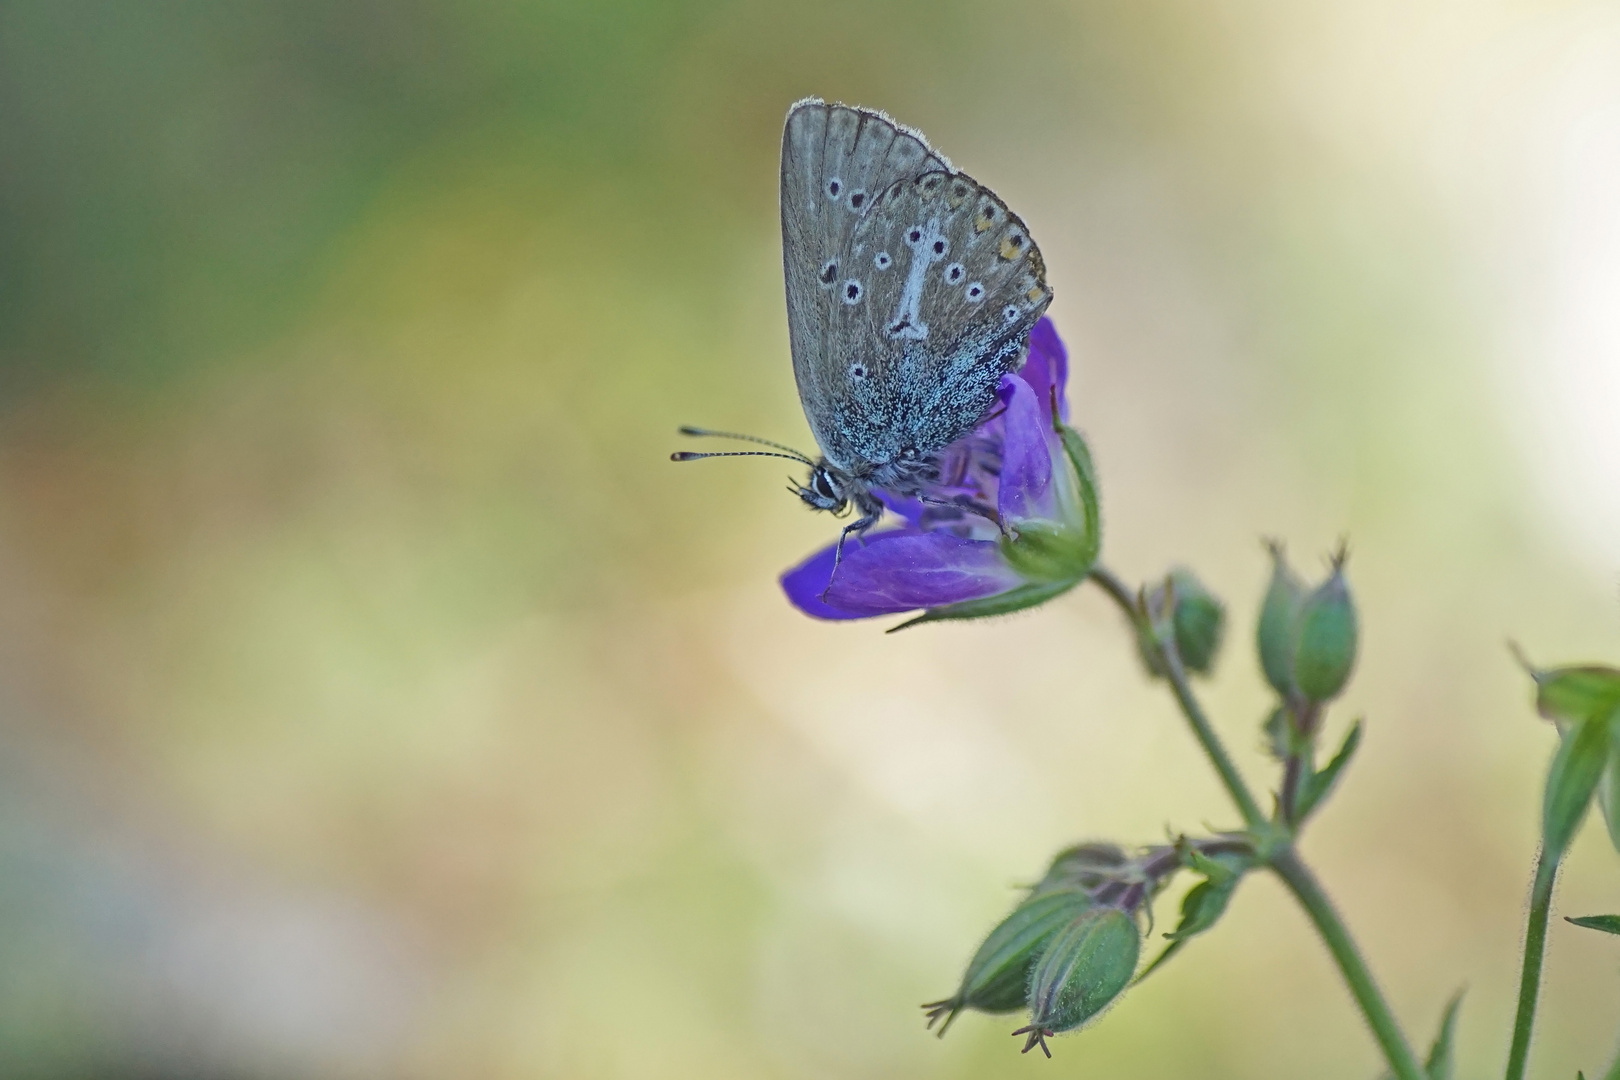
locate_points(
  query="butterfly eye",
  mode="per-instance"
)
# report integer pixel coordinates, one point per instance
(882, 260)
(1010, 312)
(829, 271)
(857, 371)
(954, 272)
(914, 235)
(834, 186)
(857, 199)
(939, 247)
(852, 291)
(975, 292)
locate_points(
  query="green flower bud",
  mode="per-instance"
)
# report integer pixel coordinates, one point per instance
(1325, 638)
(1275, 634)
(1200, 620)
(997, 978)
(1085, 967)
(1194, 619)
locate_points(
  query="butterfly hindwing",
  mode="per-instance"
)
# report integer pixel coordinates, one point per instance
(906, 308)
(835, 159)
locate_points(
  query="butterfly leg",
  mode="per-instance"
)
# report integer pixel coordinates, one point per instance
(871, 508)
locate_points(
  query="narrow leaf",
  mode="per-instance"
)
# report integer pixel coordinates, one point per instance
(1609, 924)
(1442, 1062)
(1608, 794)
(1169, 951)
(1573, 778)
(1319, 785)
(1202, 907)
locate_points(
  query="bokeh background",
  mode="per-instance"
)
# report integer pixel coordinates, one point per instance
(376, 700)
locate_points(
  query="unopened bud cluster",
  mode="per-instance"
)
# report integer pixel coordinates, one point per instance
(1306, 638)
(1070, 947)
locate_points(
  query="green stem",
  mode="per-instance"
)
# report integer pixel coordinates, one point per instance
(1286, 862)
(1235, 787)
(1308, 891)
(1614, 1071)
(1535, 947)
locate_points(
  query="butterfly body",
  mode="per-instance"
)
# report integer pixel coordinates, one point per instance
(911, 290)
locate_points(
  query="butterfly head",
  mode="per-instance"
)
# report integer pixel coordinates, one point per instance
(825, 490)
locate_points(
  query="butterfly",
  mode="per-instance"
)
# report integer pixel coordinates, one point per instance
(911, 290)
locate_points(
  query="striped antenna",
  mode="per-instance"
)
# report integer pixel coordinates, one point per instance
(791, 454)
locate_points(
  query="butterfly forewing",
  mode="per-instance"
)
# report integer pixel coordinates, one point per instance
(911, 288)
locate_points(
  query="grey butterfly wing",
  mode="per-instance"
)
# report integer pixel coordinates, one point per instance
(951, 285)
(835, 162)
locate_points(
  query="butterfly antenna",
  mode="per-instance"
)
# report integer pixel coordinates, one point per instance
(705, 433)
(687, 455)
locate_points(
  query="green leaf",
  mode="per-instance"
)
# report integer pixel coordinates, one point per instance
(1442, 1061)
(1201, 908)
(1025, 596)
(1574, 776)
(1608, 794)
(1609, 924)
(1571, 694)
(1318, 785)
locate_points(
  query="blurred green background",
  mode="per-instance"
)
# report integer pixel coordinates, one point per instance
(376, 700)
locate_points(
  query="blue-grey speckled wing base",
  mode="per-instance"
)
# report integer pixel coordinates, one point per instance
(911, 288)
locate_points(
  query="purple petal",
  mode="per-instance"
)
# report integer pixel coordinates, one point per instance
(1026, 454)
(1047, 366)
(899, 570)
(909, 508)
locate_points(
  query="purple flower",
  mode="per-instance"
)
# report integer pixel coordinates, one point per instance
(1010, 520)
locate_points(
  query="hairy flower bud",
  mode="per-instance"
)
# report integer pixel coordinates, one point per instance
(997, 978)
(1194, 620)
(1325, 638)
(1084, 968)
(1275, 634)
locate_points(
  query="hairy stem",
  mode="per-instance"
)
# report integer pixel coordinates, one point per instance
(1535, 947)
(1235, 787)
(1308, 891)
(1302, 721)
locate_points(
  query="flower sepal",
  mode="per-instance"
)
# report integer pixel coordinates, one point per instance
(1016, 599)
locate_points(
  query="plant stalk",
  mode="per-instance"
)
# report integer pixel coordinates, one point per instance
(1535, 948)
(1205, 734)
(1308, 891)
